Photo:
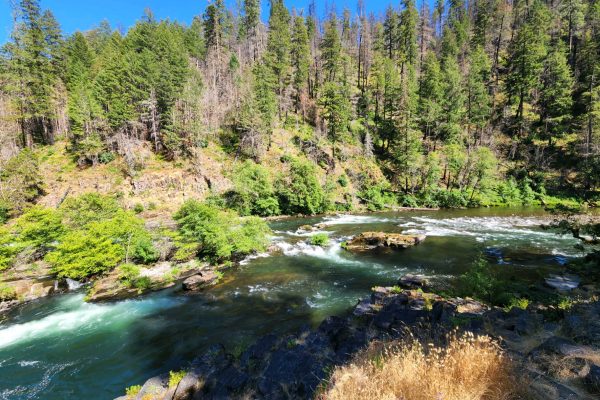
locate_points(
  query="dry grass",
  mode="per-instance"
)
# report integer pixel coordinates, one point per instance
(467, 368)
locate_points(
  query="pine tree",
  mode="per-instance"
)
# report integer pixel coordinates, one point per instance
(526, 57)
(250, 19)
(453, 100)
(194, 39)
(477, 93)
(300, 57)
(556, 100)
(336, 110)
(430, 96)
(331, 50)
(277, 56)
(409, 19)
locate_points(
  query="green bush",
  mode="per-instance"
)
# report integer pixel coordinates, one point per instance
(8, 248)
(20, 182)
(481, 283)
(509, 192)
(343, 180)
(138, 208)
(39, 228)
(220, 235)
(320, 239)
(300, 192)
(7, 292)
(91, 207)
(452, 199)
(377, 196)
(82, 254)
(100, 246)
(253, 193)
(133, 391)
(129, 274)
(175, 378)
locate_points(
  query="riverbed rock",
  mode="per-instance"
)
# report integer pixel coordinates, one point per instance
(410, 281)
(160, 276)
(200, 281)
(563, 283)
(374, 240)
(592, 379)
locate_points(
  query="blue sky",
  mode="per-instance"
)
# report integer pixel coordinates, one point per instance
(76, 15)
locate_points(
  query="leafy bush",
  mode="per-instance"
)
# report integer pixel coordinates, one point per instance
(521, 303)
(452, 199)
(133, 391)
(479, 282)
(320, 239)
(7, 248)
(220, 235)
(343, 180)
(129, 274)
(90, 207)
(101, 246)
(138, 208)
(301, 192)
(377, 196)
(83, 253)
(39, 228)
(20, 182)
(175, 378)
(509, 192)
(7, 292)
(253, 193)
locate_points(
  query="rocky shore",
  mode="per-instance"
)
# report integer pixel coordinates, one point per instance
(297, 366)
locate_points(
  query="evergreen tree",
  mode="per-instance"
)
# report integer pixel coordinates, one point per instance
(277, 56)
(555, 95)
(430, 96)
(477, 94)
(526, 57)
(331, 50)
(300, 57)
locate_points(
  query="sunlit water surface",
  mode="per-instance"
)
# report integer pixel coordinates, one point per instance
(63, 348)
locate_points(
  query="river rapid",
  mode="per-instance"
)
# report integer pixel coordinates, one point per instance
(64, 348)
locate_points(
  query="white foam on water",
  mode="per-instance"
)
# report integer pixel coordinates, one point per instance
(331, 253)
(28, 363)
(249, 258)
(349, 219)
(84, 317)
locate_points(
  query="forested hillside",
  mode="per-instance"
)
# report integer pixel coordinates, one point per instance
(446, 104)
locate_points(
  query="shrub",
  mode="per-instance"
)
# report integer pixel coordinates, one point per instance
(509, 192)
(83, 253)
(133, 391)
(253, 193)
(138, 208)
(39, 228)
(220, 235)
(452, 199)
(343, 180)
(479, 282)
(300, 192)
(8, 248)
(7, 292)
(87, 208)
(175, 378)
(101, 246)
(20, 182)
(320, 239)
(377, 196)
(521, 303)
(129, 274)
(468, 367)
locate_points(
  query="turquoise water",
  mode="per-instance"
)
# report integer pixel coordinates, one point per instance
(63, 348)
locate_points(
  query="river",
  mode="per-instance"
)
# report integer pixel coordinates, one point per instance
(64, 348)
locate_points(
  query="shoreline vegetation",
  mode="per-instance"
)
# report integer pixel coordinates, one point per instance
(139, 160)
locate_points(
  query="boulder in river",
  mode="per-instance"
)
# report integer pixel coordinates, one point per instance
(411, 281)
(374, 240)
(563, 283)
(200, 281)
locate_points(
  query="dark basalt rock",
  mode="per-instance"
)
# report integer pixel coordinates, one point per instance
(200, 281)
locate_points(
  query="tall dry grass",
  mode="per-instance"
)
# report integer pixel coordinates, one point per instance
(466, 368)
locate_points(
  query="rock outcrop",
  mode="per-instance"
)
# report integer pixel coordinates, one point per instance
(294, 366)
(374, 240)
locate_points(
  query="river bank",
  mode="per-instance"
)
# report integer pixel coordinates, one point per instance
(94, 351)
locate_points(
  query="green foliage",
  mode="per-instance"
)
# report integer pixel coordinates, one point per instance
(138, 208)
(320, 239)
(39, 228)
(7, 292)
(129, 274)
(20, 183)
(220, 235)
(377, 196)
(99, 246)
(81, 254)
(175, 378)
(300, 192)
(479, 282)
(90, 207)
(521, 303)
(133, 391)
(254, 193)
